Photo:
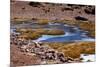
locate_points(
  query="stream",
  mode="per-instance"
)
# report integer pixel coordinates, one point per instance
(72, 33)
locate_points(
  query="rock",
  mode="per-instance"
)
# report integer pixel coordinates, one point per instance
(67, 8)
(81, 18)
(49, 56)
(36, 44)
(61, 57)
(90, 10)
(27, 50)
(69, 58)
(32, 50)
(81, 58)
(89, 60)
(34, 4)
(43, 62)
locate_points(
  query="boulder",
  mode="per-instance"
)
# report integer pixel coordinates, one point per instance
(81, 18)
(90, 10)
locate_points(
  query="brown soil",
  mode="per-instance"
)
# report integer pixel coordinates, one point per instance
(22, 10)
(19, 58)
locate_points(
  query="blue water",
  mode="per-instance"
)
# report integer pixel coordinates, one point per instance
(71, 33)
(68, 37)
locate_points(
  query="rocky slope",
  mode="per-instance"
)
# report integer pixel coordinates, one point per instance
(52, 11)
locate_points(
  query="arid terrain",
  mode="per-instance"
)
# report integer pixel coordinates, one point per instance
(25, 10)
(51, 33)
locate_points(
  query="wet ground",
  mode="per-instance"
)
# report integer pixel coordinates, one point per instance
(72, 33)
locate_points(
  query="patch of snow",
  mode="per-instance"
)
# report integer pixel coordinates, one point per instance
(86, 58)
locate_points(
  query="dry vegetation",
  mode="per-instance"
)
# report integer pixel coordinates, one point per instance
(74, 49)
(31, 36)
(18, 20)
(36, 33)
(68, 22)
(84, 25)
(43, 21)
(55, 32)
(28, 13)
(88, 26)
(49, 32)
(25, 20)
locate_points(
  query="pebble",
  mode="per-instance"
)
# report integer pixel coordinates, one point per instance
(44, 52)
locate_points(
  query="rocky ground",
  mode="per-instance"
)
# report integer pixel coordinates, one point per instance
(26, 52)
(34, 10)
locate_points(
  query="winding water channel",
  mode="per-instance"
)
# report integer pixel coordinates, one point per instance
(72, 33)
